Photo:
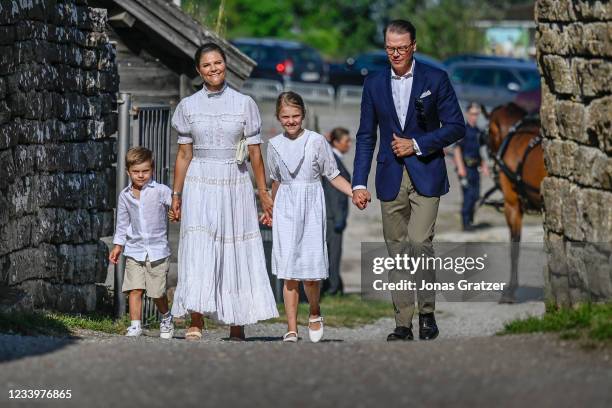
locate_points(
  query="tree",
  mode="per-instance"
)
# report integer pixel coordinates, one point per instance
(445, 27)
(343, 28)
(337, 29)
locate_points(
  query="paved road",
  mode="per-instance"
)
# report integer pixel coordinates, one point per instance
(503, 371)
(466, 366)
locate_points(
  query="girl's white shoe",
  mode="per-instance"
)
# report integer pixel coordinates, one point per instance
(315, 335)
(290, 337)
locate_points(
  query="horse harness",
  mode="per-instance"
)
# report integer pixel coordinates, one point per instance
(515, 177)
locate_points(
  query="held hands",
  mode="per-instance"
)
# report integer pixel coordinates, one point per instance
(266, 202)
(171, 215)
(402, 147)
(266, 220)
(174, 213)
(361, 198)
(115, 253)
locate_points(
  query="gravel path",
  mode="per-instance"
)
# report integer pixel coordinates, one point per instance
(455, 320)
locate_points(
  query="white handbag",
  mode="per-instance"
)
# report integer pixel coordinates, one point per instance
(242, 151)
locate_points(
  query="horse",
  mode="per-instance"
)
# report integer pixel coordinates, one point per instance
(515, 144)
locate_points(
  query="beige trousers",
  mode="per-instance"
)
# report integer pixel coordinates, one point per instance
(408, 228)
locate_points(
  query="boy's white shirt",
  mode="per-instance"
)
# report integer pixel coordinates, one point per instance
(142, 223)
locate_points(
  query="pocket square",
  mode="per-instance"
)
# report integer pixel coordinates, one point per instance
(425, 94)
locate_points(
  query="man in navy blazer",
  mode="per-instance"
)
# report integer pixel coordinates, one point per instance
(415, 110)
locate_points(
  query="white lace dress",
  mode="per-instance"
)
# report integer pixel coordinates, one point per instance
(299, 251)
(221, 263)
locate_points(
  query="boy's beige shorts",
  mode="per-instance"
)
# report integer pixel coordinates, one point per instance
(150, 276)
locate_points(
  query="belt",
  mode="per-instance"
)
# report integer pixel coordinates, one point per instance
(301, 181)
(222, 155)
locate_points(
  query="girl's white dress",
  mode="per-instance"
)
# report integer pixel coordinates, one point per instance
(299, 250)
(221, 263)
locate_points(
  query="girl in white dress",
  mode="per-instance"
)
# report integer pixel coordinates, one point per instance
(221, 263)
(297, 158)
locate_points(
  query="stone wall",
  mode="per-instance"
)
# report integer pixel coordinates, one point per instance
(58, 84)
(574, 45)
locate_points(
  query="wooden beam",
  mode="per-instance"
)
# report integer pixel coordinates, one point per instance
(122, 19)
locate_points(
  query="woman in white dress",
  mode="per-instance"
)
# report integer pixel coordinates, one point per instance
(221, 263)
(297, 158)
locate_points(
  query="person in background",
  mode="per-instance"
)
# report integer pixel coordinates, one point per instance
(468, 160)
(336, 204)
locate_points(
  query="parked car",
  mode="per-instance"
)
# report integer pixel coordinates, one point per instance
(493, 83)
(355, 69)
(479, 58)
(530, 97)
(282, 59)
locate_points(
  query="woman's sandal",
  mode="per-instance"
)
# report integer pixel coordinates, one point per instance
(290, 337)
(193, 335)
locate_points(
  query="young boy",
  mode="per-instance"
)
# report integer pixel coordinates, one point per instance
(142, 229)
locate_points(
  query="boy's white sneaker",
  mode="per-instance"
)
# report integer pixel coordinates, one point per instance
(166, 328)
(134, 331)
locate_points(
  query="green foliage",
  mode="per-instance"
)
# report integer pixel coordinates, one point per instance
(589, 320)
(205, 12)
(337, 29)
(445, 28)
(343, 28)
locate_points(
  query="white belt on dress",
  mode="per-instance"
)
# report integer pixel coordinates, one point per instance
(301, 181)
(226, 155)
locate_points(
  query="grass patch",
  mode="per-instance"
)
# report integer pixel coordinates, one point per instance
(63, 324)
(587, 321)
(32, 324)
(342, 311)
(339, 311)
(58, 324)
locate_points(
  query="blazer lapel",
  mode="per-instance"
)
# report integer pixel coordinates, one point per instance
(389, 98)
(418, 83)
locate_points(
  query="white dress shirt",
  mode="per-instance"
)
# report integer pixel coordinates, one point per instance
(142, 224)
(401, 88)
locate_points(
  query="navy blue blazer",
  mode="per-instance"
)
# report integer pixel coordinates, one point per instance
(443, 125)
